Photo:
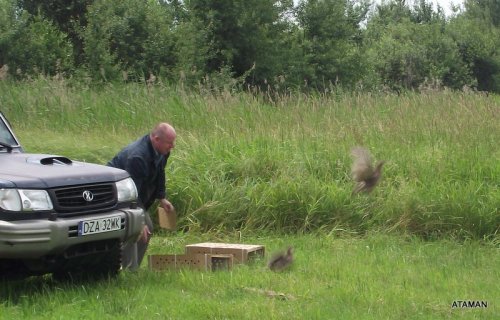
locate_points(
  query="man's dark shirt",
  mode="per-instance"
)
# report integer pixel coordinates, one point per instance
(146, 167)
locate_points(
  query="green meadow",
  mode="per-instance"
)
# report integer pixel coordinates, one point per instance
(373, 277)
(274, 169)
(282, 162)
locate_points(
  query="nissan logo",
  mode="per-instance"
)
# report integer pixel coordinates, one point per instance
(88, 196)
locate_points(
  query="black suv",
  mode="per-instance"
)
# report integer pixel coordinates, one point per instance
(61, 216)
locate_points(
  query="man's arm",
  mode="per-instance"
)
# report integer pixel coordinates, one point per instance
(137, 169)
(161, 186)
(162, 194)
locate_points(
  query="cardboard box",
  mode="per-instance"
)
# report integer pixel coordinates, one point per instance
(242, 252)
(205, 262)
(168, 220)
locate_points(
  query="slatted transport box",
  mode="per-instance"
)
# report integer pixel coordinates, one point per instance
(241, 252)
(205, 262)
(207, 256)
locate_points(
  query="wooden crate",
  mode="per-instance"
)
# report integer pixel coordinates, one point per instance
(206, 262)
(242, 252)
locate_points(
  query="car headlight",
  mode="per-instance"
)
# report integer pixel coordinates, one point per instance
(126, 190)
(25, 200)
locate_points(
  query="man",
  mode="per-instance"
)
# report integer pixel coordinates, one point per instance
(145, 161)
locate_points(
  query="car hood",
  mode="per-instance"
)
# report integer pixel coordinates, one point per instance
(41, 171)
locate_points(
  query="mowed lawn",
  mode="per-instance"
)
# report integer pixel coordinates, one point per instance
(334, 276)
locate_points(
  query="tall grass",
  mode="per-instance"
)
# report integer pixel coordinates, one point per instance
(282, 163)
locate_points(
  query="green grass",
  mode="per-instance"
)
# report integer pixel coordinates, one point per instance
(374, 277)
(279, 167)
(282, 163)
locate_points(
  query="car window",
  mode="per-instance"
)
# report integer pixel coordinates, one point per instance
(5, 135)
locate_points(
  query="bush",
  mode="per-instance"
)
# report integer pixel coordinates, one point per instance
(33, 46)
(407, 55)
(130, 36)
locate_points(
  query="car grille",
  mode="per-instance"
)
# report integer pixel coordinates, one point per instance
(86, 197)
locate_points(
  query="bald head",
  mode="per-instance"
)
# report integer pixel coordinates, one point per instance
(163, 138)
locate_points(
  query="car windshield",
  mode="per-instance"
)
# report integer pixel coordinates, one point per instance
(5, 135)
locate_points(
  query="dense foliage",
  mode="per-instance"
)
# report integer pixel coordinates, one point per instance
(272, 44)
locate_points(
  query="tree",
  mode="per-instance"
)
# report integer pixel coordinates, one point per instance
(478, 42)
(31, 45)
(477, 34)
(408, 55)
(69, 16)
(331, 41)
(130, 36)
(408, 48)
(9, 22)
(424, 13)
(487, 11)
(239, 36)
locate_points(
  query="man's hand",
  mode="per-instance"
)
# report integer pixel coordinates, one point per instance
(167, 206)
(145, 234)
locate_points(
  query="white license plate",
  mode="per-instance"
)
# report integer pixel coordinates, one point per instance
(93, 226)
